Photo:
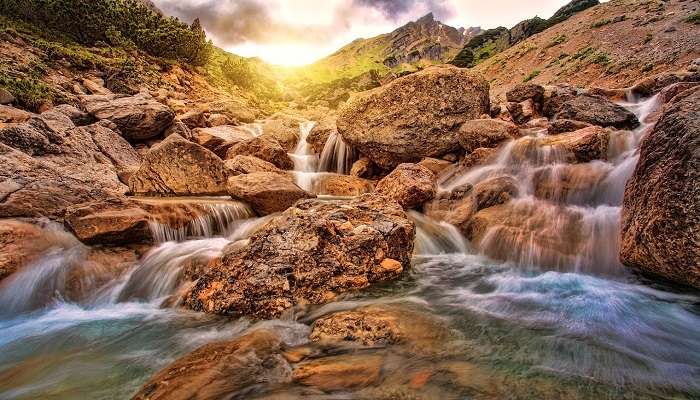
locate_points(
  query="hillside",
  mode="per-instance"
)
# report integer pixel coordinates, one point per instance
(419, 43)
(609, 45)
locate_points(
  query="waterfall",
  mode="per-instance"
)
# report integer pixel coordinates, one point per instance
(433, 237)
(336, 156)
(218, 219)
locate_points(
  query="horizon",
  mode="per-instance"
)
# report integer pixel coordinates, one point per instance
(286, 38)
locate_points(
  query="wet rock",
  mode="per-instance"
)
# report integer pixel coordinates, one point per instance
(413, 117)
(20, 242)
(220, 138)
(340, 372)
(138, 117)
(597, 110)
(661, 208)
(485, 133)
(283, 129)
(267, 192)
(555, 97)
(9, 114)
(343, 185)
(566, 125)
(241, 165)
(308, 254)
(654, 84)
(363, 168)
(179, 167)
(668, 93)
(581, 146)
(320, 133)
(572, 183)
(409, 184)
(526, 91)
(264, 148)
(221, 370)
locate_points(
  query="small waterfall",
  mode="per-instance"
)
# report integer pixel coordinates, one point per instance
(218, 219)
(305, 160)
(337, 156)
(433, 237)
(255, 129)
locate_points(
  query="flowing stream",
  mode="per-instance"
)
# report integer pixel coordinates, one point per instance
(576, 322)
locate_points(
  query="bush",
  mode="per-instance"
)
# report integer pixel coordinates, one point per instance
(694, 18)
(30, 93)
(532, 75)
(238, 72)
(600, 23)
(118, 22)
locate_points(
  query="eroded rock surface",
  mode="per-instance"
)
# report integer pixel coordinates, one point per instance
(267, 192)
(485, 133)
(409, 184)
(265, 149)
(597, 110)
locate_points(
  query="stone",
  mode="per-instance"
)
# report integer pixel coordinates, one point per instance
(581, 146)
(651, 85)
(6, 97)
(214, 120)
(434, 165)
(265, 149)
(94, 87)
(597, 110)
(565, 125)
(138, 117)
(267, 192)
(308, 254)
(232, 108)
(180, 129)
(526, 91)
(9, 114)
(20, 242)
(319, 134)
(342, 185)
(221, 370)
(284, 129)
(363, 168)
(414, 116)
(661, 208)
(193, 119)
(409, 184)
(77, 116)
(124, 158)
(341, 372)
(486, 133)
(219, 139)
(555, 97)
(179, 167)
(241, 165)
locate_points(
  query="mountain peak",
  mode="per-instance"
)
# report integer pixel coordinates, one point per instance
(426, 19)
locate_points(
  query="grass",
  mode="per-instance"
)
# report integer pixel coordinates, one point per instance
(556, 41)
(602, 58)
(29, 92)
(648, 38)
(532, 75)
(583, 53)
(647, 67)
(694, 18)
(600, 23)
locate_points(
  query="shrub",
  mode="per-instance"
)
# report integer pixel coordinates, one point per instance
(532, 75)
(556, 41)
(602, 58)
(648, 38)
(29, 92)
(118, 22)
(694, 18)
(600, 23)
(238, 72)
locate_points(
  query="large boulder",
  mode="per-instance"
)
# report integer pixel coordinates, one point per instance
(409, 184)
(138, 117)
(661, 208)
(241, 165)
(308, 254)
(597, 110)
(219, 139)
(20, 242)
(221, 370)
(487, 133)
(267, 192)
(9, 114)
(415, 116)
(526, 91)
(124, 158)
(319, 134)
(284, 129)
(179, 167)
(265, 149)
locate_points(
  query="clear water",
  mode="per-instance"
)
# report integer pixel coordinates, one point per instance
(587, 329)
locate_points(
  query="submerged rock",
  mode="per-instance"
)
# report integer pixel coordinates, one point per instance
(661, 208)
(409, 184)
(342, 372)
(308, 254)
(138, 117)
(179, 167)
(267, 192)
(597, 110)
(221, 370)
(415, 116)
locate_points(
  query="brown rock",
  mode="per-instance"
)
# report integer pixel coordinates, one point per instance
(220, 138)
(180, 129)
(264, 148)
(267, 192)
(409, 184)
(179, 167)
(6, 97)
(221, 370)
(9, 114)
(340, 372)
(218, 120)
(661, 208)
(125, 159)
(583, 145)
(283, 129)
(192, 119)
(566, 125)
(241, 165)
(526, 91)
(138, 117)
(20, 242)
(485, 133)
(597, 110)
(435, 165)
(95, 87)
(309, 253)
(343, 185)
(363, 168)
(413, 117)
(555, 97)
(320, 133)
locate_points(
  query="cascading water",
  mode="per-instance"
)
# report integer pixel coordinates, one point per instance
(336, 156)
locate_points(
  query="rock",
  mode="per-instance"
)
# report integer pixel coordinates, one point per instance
(20, 242)
(6, 97)
(265, 149)
(308, 254)
(232, 108)
(95, 87)
(215, 120)
(485, 133)
(78, 117)
(653, 84)
(319, 134)
(661, 207)
(284, 129)
(343, 185)
(597, 110)
(409, 184)
(413, 117)
(341, 372)
(668, 93)
(434, 165)
(9, 114)
(241, 165)
(221, 370)
(267, 192)
(581, 146)
(179, 167)
(138, 117)
(363, 168)
(555, 97)
(125, 159)
(566, 125)
(526, 91)
(220, 138)
(180, 129)
(192, 119)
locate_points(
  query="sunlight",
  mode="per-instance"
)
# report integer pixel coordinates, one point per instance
(287, 54)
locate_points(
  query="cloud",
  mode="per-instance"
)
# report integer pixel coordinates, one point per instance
(395, 9)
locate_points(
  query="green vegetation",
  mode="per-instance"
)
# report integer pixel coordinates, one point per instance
(583, 53)
(648, 38)
(601, 58)
(600, 23)
(694, 18)
(30, 92)
(532, 75)
(556, 41)
(647, 67)
(117, 22)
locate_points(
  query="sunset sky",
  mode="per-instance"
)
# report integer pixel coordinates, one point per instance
(298, 32)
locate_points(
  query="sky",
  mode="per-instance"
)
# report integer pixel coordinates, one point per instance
(298, 32)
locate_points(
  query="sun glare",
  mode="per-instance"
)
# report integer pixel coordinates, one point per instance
(288, 54)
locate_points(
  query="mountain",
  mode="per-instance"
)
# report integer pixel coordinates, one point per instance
(418, 43)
